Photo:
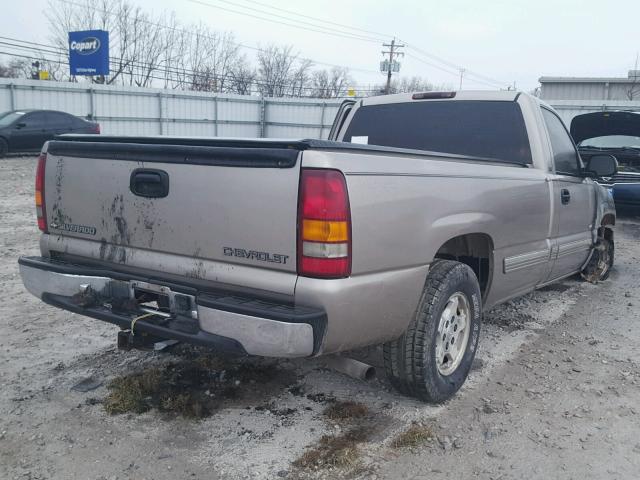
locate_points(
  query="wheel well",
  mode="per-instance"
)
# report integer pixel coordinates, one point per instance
(475, 250)
(608, 219)
(604, 232)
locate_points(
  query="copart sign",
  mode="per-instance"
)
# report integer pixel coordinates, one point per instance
(89, 52)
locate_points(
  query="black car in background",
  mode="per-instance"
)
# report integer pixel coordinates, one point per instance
(27, 130)
(615, 133)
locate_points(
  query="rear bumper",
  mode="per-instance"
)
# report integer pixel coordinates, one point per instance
(226, 322)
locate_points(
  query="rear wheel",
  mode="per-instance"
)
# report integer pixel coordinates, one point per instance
(4, 147)
(432, 359)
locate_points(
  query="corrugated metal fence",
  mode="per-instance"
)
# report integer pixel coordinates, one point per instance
(146, 111)
(149, 111)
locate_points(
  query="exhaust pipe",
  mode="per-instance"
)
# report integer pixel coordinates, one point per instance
(352, 368)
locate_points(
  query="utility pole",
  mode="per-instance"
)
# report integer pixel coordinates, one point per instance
(462, 70)
(392, 52)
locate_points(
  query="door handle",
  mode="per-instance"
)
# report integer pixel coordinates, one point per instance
(565, 196)
(149, 183)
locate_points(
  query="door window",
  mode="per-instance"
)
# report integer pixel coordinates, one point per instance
(565, 155)
(58, 120)
(35, 120)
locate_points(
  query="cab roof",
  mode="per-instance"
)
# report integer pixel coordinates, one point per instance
(499, 95)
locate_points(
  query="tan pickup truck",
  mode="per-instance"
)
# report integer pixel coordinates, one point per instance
(420, 212)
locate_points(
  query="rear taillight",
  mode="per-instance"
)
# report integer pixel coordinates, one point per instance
(96, 128)
(40, 205)
(324, 225)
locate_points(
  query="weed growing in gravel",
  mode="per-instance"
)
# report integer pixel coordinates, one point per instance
(413, 437)
(128, 393)
(194, 387)
(348, 410)
(342, 450)
(338, 451)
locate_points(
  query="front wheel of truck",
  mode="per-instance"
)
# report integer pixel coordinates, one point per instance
(432, 359)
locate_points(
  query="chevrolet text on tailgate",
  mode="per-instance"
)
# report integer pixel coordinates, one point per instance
(420, 212)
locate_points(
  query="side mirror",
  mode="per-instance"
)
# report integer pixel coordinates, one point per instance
(602, 166)
(20, 125)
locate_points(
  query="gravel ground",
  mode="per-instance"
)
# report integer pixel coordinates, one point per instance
(554, 392)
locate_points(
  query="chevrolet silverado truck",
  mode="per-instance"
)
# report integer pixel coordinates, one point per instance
(419, 212)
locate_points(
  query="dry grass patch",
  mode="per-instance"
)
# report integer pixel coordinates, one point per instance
(414, 436)
(128, 393)
(194, 387)
(346, 411)
(337, 451)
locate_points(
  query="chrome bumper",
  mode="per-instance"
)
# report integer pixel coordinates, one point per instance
(269, 337)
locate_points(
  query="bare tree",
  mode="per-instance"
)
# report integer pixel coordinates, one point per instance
(408, 85)
(300, 78)
(330, 83)
(136, 43)
(15, 68)
(176, 46)
(64, 18)
(282, 73)
(242, 77)
(634, 76)
(31, 67)
(149, 50)
(210, 58)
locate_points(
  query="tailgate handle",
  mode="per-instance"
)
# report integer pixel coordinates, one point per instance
(149, 183)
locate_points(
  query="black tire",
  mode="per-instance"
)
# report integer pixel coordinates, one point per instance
(4, 147)
(601, 262)
(611, 250)
(410, 361)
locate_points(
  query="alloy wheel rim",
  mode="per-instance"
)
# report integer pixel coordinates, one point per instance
(452, 334)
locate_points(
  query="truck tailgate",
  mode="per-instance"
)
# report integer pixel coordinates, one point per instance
(227, 205)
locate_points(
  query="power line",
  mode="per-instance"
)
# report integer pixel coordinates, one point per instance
(52, 49)
(317, 29)
(185, 82)
(450, 71)
(487, 80)
(210, 37)
(382, 35)
(42, 49)
(314, 25)
(482, 79)
(460, 70)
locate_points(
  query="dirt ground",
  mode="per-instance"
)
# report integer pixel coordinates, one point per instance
(554, 393)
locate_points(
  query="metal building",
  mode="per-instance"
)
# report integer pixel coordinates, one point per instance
(572, 96)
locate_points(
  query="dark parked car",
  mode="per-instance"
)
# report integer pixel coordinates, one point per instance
(618, 134)
(27, 130)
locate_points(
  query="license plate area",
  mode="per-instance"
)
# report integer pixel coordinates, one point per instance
(161, 300)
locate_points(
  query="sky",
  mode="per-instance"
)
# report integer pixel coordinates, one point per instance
(503, 41)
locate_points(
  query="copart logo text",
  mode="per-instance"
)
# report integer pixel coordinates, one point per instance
(86, 46)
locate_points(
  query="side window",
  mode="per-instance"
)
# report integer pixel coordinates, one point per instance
(58, 120)
(35, 120)
(339, 119)
(565, 156)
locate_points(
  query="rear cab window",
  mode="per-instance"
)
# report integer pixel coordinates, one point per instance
(476, 128)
